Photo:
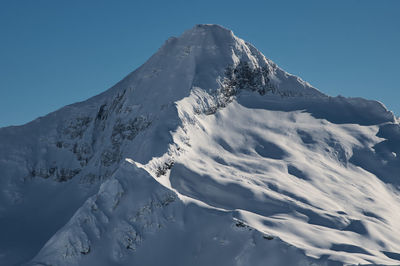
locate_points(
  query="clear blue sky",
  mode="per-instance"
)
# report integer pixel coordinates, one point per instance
(54, 53)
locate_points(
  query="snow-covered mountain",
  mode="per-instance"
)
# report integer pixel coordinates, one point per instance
(208, 154)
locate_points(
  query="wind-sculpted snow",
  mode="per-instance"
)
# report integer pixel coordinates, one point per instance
(382, 159)
(288, 174)
(208, 154)
(135, 220)
(304, 188)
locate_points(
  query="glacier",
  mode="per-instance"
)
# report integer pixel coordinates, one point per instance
(207, 154)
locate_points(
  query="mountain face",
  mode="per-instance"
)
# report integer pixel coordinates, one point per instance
(208, 154)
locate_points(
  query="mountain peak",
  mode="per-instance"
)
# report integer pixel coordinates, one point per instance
(207, 136)
(203, 39)
(205, 29)
(200, 57)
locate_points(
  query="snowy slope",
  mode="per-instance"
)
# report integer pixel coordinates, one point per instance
(208, 154)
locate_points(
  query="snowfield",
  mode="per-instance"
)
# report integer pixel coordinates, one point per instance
(208, 154)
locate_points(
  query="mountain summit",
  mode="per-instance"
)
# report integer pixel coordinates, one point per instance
(200, 58)
(208, 154)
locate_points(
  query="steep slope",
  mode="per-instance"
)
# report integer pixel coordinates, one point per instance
(241, 163)
(135, 220)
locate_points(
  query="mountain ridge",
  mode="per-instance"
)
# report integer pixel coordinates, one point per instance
(222, 132)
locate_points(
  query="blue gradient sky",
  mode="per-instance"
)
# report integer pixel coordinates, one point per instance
(54, 53)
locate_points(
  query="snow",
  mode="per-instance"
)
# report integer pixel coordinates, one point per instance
(320, 204)
(177, 164)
